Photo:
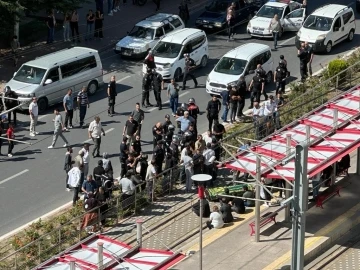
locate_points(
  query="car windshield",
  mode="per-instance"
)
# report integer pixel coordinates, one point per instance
(29, 74)
(142, 32)
(318, 23)
(167, 49)
(269, 11)
(231, 66)
(218, 6)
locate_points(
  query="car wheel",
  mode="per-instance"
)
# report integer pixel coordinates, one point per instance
(42, 104)
(351, 35)
(92, 87)
(177, 74)
(204, 60)
(269, 77)
(328, 47)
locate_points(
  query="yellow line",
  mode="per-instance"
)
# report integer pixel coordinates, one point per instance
(214, 234)
(320, 235)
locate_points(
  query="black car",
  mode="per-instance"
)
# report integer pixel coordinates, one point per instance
(214, 17)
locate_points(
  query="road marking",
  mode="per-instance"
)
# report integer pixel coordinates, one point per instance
(123, 79)
(106, 132)
(12, 177)
(166, 102)
(286, 41)
(41, 117)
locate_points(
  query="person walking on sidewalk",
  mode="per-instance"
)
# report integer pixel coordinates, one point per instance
(83, 104)
(110, 5)
(51, 23)
(66, 27)
(68, 165)
(189, 65)
(111, 92)
(15, 46)
(173, 95)
(10, 134)
(34, 113)
(74, 26)
(95, 129)
(90, 18)
(68, 103)
(99, 17)
(58, 131)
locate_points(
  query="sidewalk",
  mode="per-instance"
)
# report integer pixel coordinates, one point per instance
(115, 28)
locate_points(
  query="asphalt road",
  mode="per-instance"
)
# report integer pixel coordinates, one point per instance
(32, 183)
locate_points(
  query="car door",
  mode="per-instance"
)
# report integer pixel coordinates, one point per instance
(52, 91)
(250, 70)
(338, 31)
(197, 50)
(348, 23)
(294, 20)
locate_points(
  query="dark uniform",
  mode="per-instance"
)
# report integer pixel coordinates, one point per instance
(157, 134)
(166, 125)
(198, 161)
(194, 111)
(136, 145)
(242, 93)
(146, 85)
(10, 103)
(213, 109)
(168, 137)
(281, 74)
(111, 97)
(157, 80)
(179, 112)
(189, 65)
(256, 89)
(303, 56)
(123, 157)
(159, 156)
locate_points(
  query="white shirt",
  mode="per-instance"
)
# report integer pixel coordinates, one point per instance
(86, 155)
(150, 172)
(258, 111)
(207, 139)
(127, 186)
(182, 155)
(95, 129)
(270, 107)
(216, 220)
(74, 177)
(33, 107)
(188, 161)
(208, 154)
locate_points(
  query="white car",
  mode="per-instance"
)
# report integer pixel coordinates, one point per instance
(241, 61)
(146, 34)
(290, 14)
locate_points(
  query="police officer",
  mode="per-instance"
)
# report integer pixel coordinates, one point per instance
(189, 65)
(157, 132)
(256, 87)
(169, 135)
(262, 73)
(280, 76)
(167, 123)
(303, 56)
(111, 92)
(310, 56)
(213, 109)
(124, 151)
(242, 89)
(193, 110)
(147, 81)
(174, 149)
(159, 155)
(158, 85)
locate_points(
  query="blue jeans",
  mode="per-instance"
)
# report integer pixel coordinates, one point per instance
(82, 114)
(110, 5)
(174, 104)
(275, 36)
(50, 38)
(225, 113)
(89, 28)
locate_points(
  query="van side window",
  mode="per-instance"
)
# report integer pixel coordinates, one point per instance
(252, 65)
(259, 59)
(159, 33)
(287, 11)
(78, 66)
(197, 42)
(176, 22)
(167, 28)
(53, 74)
(337, 24)
(347, 16)
(187, 49)
(267, 56)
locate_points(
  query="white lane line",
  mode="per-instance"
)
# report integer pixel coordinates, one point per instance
(181, 95)
(11, 177)
(123, 79)
(106, 132)
(41, 117)
(286, 41)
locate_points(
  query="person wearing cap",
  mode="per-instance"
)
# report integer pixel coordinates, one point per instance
(185, 122)
(189, 65)
(95, 130)
(59, 127)
(10, 103)
(213, 109)
(173, 95)
(158, 85)
(256, 87)
(124, 152)
(280, 76)
(167, 123)
(159, 155)
(146, 87)
(139, 116)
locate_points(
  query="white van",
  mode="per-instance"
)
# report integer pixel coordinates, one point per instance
(50, 76)
(241, 61)
(169, 52)
(326, 27)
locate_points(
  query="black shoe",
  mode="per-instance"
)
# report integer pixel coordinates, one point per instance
(160, 108)
(196, 85)
(149, 105)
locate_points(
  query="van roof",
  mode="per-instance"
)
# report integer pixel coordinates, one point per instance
(276, 4)
(180, 35)
(156, 20)
(247, 51)
(62, 56)
(329, 11)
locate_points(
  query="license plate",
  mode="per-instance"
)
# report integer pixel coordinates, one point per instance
(216, 90)
(208, 26)
(126, 53)
(258, 32)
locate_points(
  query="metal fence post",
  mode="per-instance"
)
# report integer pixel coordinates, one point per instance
(100, 255)
(139, 223)
(59, 241)
(72, 265)
(153, 190)
(80, 228)
(135, 198)
(170, 180)
(117, 210)
(99, 217)
(39, 248)
(337, 81)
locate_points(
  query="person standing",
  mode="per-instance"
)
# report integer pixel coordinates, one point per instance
(157, 132)
(158, 85)
(74, 180)
(68, 165)
(280, 75)
(10, 134)
(189, 66)
(184, 11)
(124, 155)
(58, 131)
(99, 17)
(15, 46)
(50, 23)
(275, 28)
(85, 161)
(34, 113)
(68, 103)
(213, 109)
(99, 4)
(146, 86)
(90, 18)
(189, 171)
(95, 130)
(173, 95)
(303, 56)
(242, 89)
(209, 158)
(66, 27)
(139, 116)
(150, 60)
(83, 104)
(130, 129)
(230, 22)
(257, 88)
(159, 155)
(310, 56)
(10, 103)
(110, 6)
(225, 102)
(111, 92)
(233, 99)
(74, 26)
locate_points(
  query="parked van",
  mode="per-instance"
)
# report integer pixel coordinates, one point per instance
(326, 27)
(241, 61)
(169, 52)
(50, 76)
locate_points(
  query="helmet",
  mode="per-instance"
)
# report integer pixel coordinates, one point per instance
(175, 139)
(167, 116)
(144, 156)
(171, 127)
(7, 89)
(183, 106)
(149, 70)
(282, 57)
(282, 63)
(191, 100)
(258, 71)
